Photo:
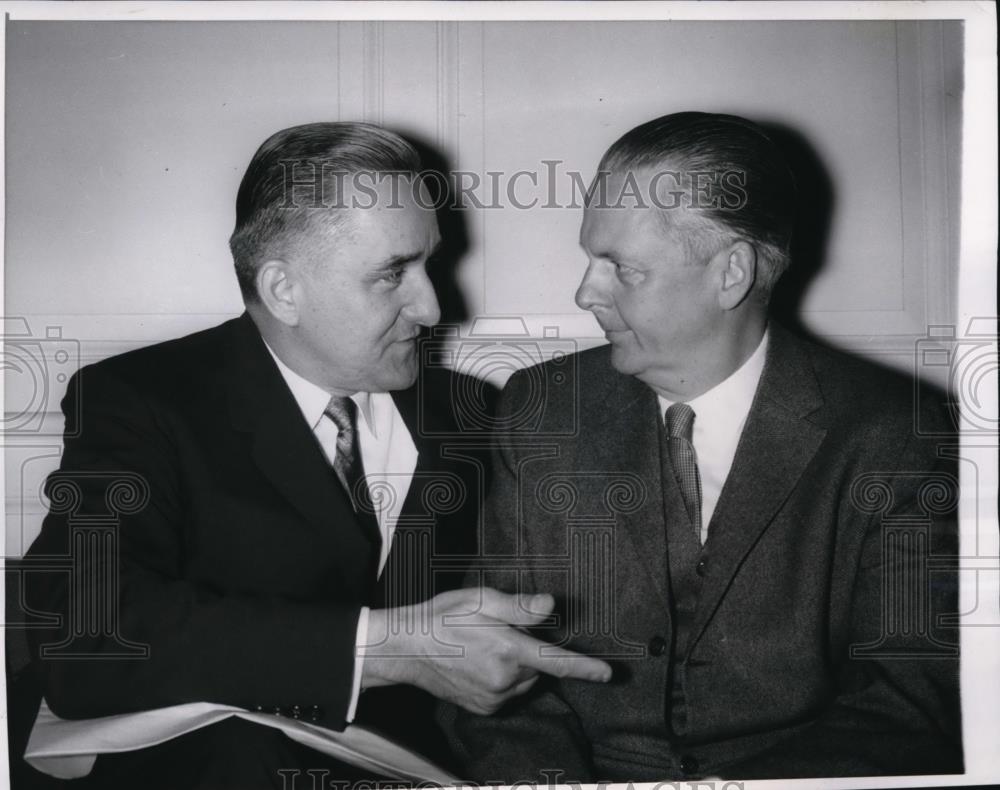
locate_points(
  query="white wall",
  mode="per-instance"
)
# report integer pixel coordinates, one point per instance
(125, 143)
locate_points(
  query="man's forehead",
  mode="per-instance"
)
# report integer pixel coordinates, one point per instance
(647, 199)
(611, 222)
(373, 197)
(385, 231)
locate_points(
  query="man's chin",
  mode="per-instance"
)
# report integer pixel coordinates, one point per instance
(623, 360)
(401, 377)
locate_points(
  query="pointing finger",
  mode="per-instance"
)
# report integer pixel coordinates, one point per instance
(561, 663)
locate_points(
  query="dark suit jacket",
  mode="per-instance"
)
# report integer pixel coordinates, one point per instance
(241, 568)
(817, 647)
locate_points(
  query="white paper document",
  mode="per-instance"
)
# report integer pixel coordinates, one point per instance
(68, 749)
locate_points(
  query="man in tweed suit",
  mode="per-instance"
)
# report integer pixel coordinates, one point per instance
(740, 508)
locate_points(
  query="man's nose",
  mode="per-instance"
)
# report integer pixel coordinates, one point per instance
(591, 291)
(422, 307)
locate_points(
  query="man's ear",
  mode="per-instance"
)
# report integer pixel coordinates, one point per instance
(737, 274)
(278, 289)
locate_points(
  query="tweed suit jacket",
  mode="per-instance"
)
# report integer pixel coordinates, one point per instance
(240, 578)
(804, 657)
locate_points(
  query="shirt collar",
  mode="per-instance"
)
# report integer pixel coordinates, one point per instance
(727, 404)
(313, 399)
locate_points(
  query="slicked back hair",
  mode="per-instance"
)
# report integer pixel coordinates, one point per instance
(749, 189)
(299, 173)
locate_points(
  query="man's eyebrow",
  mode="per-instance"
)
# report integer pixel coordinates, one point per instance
(401, 260)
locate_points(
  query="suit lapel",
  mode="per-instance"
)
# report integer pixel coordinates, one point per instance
(778, 442)
(628, 441)
(285, 449)
(406, 405)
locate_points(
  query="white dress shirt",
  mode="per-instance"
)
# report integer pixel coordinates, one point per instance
(719, 417)
(389, 457)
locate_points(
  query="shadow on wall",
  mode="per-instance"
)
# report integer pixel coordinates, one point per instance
(454, 234)
(814, 209)
(470, 399)
(815, 204)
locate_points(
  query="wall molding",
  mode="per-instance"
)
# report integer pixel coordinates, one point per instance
(449, 110)
(373, 71)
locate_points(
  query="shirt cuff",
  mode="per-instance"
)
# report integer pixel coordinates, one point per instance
(360, 642)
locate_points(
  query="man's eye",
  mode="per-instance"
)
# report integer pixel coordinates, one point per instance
(393, 276)
(627, 274)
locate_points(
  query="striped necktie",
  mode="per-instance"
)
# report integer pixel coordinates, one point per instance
(348, 465)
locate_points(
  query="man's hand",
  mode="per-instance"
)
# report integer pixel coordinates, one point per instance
(464, 647)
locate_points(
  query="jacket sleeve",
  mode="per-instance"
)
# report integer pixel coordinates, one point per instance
(129, 631)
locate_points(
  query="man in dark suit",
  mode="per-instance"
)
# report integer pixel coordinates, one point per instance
(748, 526)
(276, 498)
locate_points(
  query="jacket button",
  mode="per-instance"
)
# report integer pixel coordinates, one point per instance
(702, 567)
(315, 713)
(657, 646)
(296, 712)
(689, 764)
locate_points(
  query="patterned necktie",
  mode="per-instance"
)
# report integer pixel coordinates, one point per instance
(348, 464)
(680, 421)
